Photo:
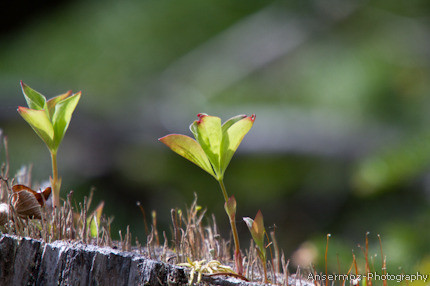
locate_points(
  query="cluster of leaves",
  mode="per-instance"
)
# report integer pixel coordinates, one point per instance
(215, 144)
(212, 150)
(50, 120)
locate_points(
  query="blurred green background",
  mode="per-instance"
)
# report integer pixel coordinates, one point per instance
(341, 143)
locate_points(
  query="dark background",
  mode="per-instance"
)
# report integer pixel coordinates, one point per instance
(341, 143)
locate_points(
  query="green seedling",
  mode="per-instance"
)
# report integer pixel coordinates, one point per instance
(93, 222)
(256, 227)
(212, 151)
(50, 120)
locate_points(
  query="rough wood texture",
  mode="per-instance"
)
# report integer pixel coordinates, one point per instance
(25, 261)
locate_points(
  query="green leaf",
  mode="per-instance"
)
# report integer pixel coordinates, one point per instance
(34, 99)
(226, 125)
(51, 103)
(94, 220)
(256, 227)
(233, 132)
(188, 148)
(39, 121)
(207, 131)
(193, 126)
(62, 116)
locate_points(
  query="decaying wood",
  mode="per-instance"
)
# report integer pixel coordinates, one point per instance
(25, 261)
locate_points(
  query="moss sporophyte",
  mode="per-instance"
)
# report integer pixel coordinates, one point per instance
(50, 120)
(212, 150)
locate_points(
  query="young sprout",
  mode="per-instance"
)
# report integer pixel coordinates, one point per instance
(93, 221)
(256, 227)
(50, 120)
(212, 151)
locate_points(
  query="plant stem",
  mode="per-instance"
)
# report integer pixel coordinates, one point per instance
(224, 191)
(235, 236)
(263, 261)
(55, 183)
(237, 255)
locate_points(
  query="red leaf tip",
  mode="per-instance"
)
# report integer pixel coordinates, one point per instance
(162, 138)
(21, 108)
(200, 116)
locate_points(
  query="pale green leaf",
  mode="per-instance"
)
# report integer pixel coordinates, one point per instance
(193, 126)
(34, 99)
(232, 136)
(39, 121)
(209, 135)
(248, 222)
(94, 220)
(257, 230)
(226, 125)
(62, 116)
(51, 103)
(188, 148)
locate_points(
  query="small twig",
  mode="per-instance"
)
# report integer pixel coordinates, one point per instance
(176, 232)
(326, 252)
(154, 224)
(84, 221)
(276, 249)
(6, 173)
(384, 266)
(142, 210)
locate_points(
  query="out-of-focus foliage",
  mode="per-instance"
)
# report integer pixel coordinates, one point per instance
(340, 88)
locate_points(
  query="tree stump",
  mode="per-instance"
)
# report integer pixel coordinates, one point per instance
(25, 261)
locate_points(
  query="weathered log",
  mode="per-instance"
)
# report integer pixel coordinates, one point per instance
(25, 261)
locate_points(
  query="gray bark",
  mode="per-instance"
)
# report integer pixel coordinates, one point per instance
(25, 261)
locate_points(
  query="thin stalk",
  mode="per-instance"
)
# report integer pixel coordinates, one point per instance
(235, 236)
(237, 255)
(265, 271)
(224, 191)
(326, 251)
(55, 182)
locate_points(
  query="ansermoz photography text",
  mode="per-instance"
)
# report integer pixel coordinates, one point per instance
(371, 276)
